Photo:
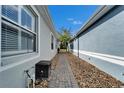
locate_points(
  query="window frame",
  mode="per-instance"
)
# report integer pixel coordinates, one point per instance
(18, 26)
(30, 14)
(52, 42)
(0, 33)
(19, 18)
(12, 26)
(31, 34)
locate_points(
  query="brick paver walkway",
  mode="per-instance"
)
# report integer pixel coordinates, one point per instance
(62, 76)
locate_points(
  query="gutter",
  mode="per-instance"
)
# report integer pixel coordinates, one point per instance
(51, 22)
(46, 17)
(97, 15)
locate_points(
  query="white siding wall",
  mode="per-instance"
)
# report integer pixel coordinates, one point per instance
(45, 42)
(12, 75)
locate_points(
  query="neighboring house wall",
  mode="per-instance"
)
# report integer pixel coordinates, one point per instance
(102, 43)
(12, 73)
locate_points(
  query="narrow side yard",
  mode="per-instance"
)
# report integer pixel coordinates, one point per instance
(61, 75)
(68, 71)
(89, 76)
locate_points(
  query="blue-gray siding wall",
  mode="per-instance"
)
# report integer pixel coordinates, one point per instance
(106, 36)
(75, 46)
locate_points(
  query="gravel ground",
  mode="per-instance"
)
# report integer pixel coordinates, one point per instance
(88, 76)
(42, 84)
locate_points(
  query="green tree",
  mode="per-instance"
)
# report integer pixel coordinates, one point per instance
(65, 36)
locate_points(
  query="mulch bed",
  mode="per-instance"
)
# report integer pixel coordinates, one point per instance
(88, 76)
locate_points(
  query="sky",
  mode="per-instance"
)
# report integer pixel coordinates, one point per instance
(71, 16)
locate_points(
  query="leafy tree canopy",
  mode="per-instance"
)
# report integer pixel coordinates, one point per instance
(65, 36)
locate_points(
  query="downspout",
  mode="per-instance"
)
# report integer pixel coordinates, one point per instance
(78, 47)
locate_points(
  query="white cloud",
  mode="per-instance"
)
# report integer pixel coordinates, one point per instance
(70, 19)
(77, 22)
(74, 22)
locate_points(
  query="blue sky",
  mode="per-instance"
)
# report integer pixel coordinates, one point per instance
(71, 16)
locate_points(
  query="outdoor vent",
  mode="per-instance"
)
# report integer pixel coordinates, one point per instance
(42, 70)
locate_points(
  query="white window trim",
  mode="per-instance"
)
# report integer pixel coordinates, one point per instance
(20, 28)
(17, 24)
(38, 25)
(10, 20)
(19, 37)
(7, 23)
(19, 51)
(11, 53)
(36, 55)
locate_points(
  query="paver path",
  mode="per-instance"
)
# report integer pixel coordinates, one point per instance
(62, 76)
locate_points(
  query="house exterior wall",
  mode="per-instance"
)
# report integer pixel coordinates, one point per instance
(45, 42)
(75, 46)
(13, 74)
(102, 44)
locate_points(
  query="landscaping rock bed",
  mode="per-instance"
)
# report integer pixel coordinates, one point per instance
(88, 76)
(41, 84)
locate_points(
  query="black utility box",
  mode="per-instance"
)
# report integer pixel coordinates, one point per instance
(42, 70)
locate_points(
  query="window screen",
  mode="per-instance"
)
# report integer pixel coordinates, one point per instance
(10, 12)
(26, 19)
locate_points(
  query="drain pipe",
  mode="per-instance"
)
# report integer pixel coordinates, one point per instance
(78, 47)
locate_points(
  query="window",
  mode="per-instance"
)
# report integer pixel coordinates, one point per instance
(10, 12)
(71, 45)
(9, 38)
(27, 41)
(52, 42)
(56, 43)
(17, 37)
(26, 20)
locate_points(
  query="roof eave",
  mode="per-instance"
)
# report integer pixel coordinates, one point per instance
(97, 15)
(47, 18)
